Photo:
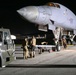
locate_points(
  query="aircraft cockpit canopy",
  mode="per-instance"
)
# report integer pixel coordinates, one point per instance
(57, 5)
(53, 4)
(50, 4)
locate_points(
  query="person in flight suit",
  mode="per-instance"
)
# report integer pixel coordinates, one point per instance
(33, 46)
(25, 47)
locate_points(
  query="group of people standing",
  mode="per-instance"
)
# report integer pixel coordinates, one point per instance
(29, 48)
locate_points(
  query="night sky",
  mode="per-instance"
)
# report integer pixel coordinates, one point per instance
(9, 18)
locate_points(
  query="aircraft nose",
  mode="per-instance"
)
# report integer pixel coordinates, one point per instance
(30, 12)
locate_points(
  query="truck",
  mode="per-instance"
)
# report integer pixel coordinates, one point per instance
(7, 47)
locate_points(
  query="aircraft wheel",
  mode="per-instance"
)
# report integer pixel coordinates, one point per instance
(58, 47)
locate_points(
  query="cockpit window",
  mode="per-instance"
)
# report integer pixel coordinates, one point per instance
(53, 4)
(50, 4)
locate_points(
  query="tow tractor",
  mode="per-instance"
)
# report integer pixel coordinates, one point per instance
(7, 47)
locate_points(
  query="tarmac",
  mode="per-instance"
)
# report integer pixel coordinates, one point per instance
(40, 59)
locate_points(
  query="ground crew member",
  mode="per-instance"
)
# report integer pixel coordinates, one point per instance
(33, 46)
(26, 52)
(64, 43)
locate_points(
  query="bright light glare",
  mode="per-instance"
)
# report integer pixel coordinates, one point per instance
(13, 37)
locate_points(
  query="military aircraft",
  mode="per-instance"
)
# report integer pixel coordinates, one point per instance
(52, 16)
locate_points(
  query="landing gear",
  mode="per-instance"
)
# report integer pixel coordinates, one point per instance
(56, 48)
